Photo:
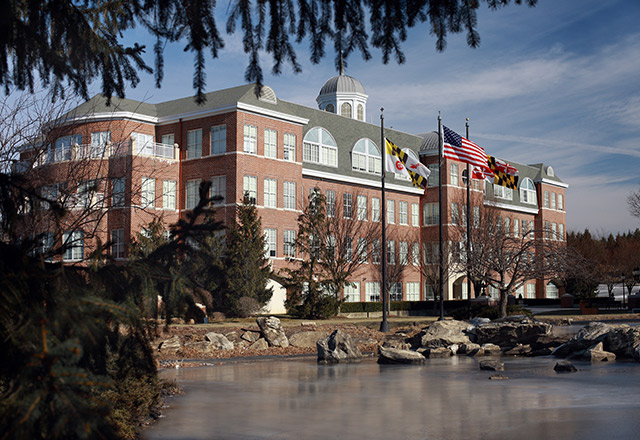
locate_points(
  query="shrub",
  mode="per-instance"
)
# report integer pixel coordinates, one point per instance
(247, 306)
(218, 316)
(490, 312)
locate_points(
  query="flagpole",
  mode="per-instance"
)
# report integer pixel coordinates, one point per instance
(468, 223)
(441, 251)
(384, 325)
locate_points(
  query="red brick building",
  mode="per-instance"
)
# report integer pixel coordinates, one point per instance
(149, 160)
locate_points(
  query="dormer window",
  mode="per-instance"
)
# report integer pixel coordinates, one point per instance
(365, 157)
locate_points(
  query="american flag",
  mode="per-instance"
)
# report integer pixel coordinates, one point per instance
(458, 148)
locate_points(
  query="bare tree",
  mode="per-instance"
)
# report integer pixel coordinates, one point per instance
(634, 203)
(499, 259)
(429, 263)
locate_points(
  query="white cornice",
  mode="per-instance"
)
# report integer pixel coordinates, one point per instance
(513, 207)
(272, 113)
(358, 181)
(552, 182)
(94, 117)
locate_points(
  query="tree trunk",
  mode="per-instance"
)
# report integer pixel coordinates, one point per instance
(503, 303)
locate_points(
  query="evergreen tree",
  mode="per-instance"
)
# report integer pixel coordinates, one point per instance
(245, 264)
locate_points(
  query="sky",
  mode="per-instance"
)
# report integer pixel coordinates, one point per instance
(557, 84)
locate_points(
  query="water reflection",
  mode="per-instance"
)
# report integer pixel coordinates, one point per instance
(445, 399)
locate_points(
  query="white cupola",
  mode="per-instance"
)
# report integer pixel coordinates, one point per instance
(343, 95)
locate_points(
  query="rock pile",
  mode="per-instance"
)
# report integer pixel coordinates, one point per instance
(598, 341)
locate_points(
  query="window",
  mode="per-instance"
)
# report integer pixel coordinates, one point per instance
(99, 142)
(270, 242)
(546, 199)
(352, 292)
(117, 192)
(413, 291)
(454, 174)
(87, 194)
(455, 214)
(395, 293)
(143, 142)
(270, 143)
(375, 209)
(415, 214)
(169, 194)
(552, 290)
(250, 189)
(219, 139)
(347, 200)
(289, 195)
(290, 147)
(434, 177)
(431, 214)
(362, 208)
(560, 202)
(65, 146)
(250, 139)
(553, 200)
(117, 243)
(528, 192)
(331, 203)
(502, 192)
(330, 108)
(218, 190)
(507, 226)
(560, 231)
(270, 193)
(375, 252)
(415, 254)
(348, 248)
(547, 230)
(167, 139)
(362, 250)
(345, 110)
(372, 291)
(289, 238)
(194, 143)
(391, 252)
(554, 231)
(360, 112)
(148, 196)
(391, 211)
(365, 157)
(74, 245)
(320, 147)
(403, 253)
(404, 215)
(530, 292)
(429, 291)
(525, 228)
(193, 187)
(516, 227)
(476, 216)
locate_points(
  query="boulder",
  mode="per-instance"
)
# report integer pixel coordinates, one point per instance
(476, 322)
(218, 341)
(389, 355)
(232, 337)
(565, 367)
(443, 334)
(498, 377)
(454, 348)
(491, 366)
(510, 331)
(306, 339)
(624, 341)
(171, 345)
(491, 349)
(518, 350)
(588, 336)
(471, 349)
(201, 346)
(400, 345)
(272, 331)
(337, 348)
(260, 344)
(597, 354)
(439, 352)
(250, 336)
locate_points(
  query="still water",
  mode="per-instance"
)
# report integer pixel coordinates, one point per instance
(444, 399)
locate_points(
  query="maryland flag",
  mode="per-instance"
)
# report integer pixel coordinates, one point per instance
(399, 162)
(504, 174)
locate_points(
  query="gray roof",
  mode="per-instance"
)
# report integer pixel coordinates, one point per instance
(342, 84)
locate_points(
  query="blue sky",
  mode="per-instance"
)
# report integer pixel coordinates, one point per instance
(558, 84)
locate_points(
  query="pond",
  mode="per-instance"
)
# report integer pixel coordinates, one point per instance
(444, 399)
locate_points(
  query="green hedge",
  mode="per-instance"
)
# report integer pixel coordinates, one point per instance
(362, 307)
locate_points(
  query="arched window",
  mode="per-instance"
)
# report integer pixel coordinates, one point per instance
(365, 157)
(552, 290)
(528, 192)
(360, 112)
(345, 110)
(330, 108)
(319, 147)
